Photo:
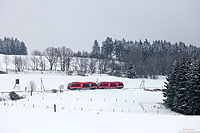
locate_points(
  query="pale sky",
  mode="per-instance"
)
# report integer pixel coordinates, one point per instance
(77, 23)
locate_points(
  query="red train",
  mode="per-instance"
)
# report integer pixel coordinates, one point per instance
(92, 85)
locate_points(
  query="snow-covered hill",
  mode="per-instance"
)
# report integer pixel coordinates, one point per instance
(129, 110)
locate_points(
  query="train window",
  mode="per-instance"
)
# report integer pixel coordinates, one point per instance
(114, 85)
(69, 84)
(78, 85)
(85, 85)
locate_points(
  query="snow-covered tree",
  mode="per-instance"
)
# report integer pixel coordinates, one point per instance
(6, 60)
(182, 93)
(95, 50)
(130, 71)
(193, 91)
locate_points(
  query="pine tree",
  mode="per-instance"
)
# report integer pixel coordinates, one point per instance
(12, 47)
(183, 87)
(180, 99)
(130, 71)
(95, 50)
(107, 48)
(193, 92)
(170, 86)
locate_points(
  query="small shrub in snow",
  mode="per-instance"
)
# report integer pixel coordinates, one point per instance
(61, 87)
(54, 91)
(14, 96)
(2, 99)
(32, 87)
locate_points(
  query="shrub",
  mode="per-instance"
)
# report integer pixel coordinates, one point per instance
(14, 96)
(54, 91)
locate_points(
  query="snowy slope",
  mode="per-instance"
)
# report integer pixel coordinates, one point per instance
(127, 110)
(7, 81)
(40, 121)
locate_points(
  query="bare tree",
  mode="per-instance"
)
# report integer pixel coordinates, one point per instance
(51, 54)
(62, 53)
(42, 63)
(92, 66)
(32, 87)
(15, 62)
(76, 64)
(24, 63)
(35, 62)
(18, 63)
(100, 65)
(83, 66)
(36, 53)
(6, 60)
(61, 87)
(68, 58)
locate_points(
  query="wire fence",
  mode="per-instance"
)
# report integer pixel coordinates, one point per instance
(91, 105)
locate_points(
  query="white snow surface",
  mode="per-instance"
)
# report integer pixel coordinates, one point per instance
(41, 121)
(53, 80)
(127, 110)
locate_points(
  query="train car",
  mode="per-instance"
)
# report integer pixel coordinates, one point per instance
(110, 85)
(81, 85)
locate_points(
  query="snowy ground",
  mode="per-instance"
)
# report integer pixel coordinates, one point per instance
(41, 121)
(128, 110)
(54, 80)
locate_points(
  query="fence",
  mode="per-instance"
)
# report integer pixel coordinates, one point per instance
(91, 105)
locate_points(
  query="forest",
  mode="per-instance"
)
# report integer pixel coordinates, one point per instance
(123, 58)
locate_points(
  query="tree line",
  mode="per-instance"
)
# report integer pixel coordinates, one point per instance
(130, 59)
(10, 46)
(182, 93)
(146, 58)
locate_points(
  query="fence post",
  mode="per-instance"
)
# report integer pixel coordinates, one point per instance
(54, 107)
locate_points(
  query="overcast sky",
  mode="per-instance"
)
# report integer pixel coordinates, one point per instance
(77, 23)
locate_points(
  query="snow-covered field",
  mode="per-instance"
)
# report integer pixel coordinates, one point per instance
(128, 110)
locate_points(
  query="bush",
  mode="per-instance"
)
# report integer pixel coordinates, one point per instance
(14, 96)
(2, 99)
(61, 87)
(54, 91)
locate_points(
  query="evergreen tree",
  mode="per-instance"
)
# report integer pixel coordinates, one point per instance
(170, 86)
(12, 47)
(193, 92)
(107, 48)
(183, 87)
(130, 71)
(95, 50)
(183, 76)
